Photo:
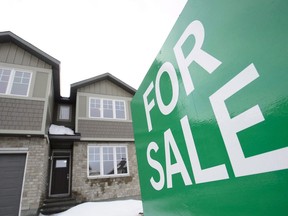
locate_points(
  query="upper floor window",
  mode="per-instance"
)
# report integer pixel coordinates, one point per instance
(107, 108)
(14, 82)
(64, 113)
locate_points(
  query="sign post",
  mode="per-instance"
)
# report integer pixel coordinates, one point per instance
(211, 116)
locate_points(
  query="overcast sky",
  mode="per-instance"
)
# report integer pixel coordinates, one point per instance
(92, 37)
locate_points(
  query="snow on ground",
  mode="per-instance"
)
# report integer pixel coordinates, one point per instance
(112, 208)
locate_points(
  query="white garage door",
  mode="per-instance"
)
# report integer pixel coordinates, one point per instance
(12, 168)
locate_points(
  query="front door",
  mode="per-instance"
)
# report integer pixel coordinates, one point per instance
(60, 174)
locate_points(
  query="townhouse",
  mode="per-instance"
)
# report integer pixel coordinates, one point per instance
(57, 148)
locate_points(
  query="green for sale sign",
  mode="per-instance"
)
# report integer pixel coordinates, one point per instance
(211, 116)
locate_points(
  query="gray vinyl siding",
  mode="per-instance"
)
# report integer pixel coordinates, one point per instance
(105, 87)
(97, 128)
(128, 110)
(31, 114)
(12, 54)
(82, 106)
(40, 86)
(105, 129)
(18, 114)
(50, 106)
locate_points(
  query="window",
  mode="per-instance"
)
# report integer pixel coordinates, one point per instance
(107, 108)
(120, 109)
(64, 112)
(14, 82)
(4, 79)
(107, 161)
(95, 107)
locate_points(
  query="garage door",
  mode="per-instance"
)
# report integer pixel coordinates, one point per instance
(11, 178)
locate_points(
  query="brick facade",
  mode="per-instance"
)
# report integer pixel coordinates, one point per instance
(34, 190)
(85, 189)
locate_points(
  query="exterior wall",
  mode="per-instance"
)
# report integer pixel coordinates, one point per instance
(40, 85)
(67, 123)
(12, 54)
(103, 131)
(85, 189)
(35, 173)
(93, 128)
(105, 87)
(25, 115)
(50, 107)
(96, 129)
(19, 114)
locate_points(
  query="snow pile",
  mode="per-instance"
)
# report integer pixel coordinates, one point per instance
(60, 130)
(113, 208)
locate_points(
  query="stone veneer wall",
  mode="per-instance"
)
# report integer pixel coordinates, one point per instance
(36, 170)
(84, 189)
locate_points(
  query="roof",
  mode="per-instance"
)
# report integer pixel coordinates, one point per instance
(8, 36)
(105, 76)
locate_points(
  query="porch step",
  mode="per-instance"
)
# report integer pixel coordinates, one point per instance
(57, 205)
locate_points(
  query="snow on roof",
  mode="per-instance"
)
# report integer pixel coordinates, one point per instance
(60, 130)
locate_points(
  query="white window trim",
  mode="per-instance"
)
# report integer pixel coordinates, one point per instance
(102, 110)
(11, 79)
(114, 159)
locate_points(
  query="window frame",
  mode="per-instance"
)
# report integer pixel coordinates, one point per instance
(59, 111)
(102, 110)
(11, 81)
(102, 175)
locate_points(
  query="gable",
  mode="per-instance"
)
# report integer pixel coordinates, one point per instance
(105, 87)
(12, 54)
